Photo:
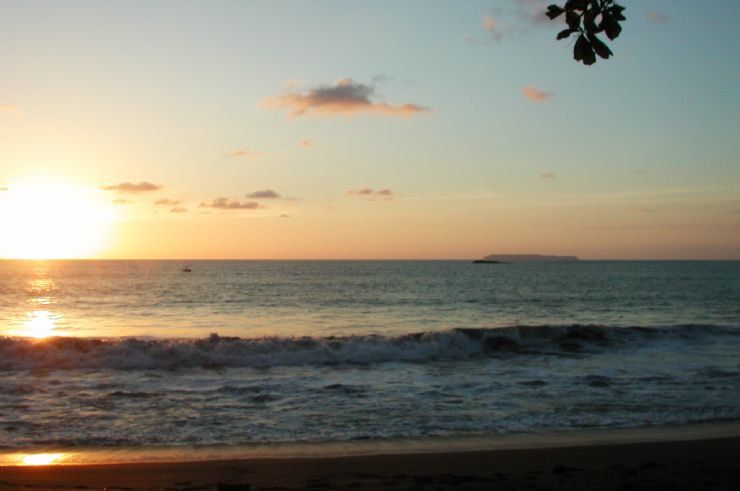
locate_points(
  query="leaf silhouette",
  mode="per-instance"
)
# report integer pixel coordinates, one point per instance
(611, 26)
(554, 11)
(586, 18)
(598, 45)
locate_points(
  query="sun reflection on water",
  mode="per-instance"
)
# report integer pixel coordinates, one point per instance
(39, 321)
(41, 287)
(41, 459)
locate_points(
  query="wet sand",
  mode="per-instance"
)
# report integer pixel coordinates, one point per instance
(709, 464)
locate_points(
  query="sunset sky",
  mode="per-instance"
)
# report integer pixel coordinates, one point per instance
(368, 130)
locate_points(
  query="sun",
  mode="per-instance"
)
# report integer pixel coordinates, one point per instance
(52, 219)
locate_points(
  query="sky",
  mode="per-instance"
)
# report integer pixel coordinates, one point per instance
(365, 130)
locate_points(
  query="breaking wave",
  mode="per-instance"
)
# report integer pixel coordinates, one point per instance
(216, 351)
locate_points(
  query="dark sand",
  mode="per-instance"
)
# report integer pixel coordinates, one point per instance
(698, 465)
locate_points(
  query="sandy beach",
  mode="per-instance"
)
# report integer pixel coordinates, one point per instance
(706, 464)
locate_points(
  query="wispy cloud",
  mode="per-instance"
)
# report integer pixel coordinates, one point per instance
(648, 197)
(8, 108)
(642, 172)
(657, 16)
(230, 204)
(511, 18)
(345, 97)
(306, 143)
(644, 210)
(178, 209)
(121, 201)
(264, 194)
(372, 194)
(284, 216)
(133, 188)
(533, 11)
(548, 175)
(492, 27)
(167, 201)
(536, 95)
(3, 188)
(483, 195)
(244, 154)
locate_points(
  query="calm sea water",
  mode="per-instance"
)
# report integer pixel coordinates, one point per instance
(126, 353)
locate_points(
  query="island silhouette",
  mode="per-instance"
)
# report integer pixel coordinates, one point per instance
(520, 258)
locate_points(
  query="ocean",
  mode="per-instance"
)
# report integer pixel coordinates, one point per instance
(135, 354)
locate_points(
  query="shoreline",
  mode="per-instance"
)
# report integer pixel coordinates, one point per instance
(549, 440)
(712, 463)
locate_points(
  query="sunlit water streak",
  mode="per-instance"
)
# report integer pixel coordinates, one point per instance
(41, 459)
(348, 351)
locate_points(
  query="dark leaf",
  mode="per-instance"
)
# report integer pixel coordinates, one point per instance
(616, 11)
(610, 25)
(589, 58)
(582, 51)
(579, 47)
(599, 46)
(554, 11)
(573, 20)
(565, 33)
(589, 21)
(586, 19)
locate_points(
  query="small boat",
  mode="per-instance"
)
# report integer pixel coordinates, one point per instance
(186, 270)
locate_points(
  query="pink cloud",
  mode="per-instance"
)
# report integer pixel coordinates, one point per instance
(489, 23)
(306, 143)
(346, 97)
(230, 204)
(492, 27)
(8, 108)
(547, 175)
(132, 187)
(534, 11)
(367, 193)
(167, 201)
(536, 95)
(264, 194)
(241, 153)
(657, 16)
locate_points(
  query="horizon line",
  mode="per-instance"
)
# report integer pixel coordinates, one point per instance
(578, 259)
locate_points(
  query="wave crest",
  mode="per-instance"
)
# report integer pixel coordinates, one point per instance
(217, 351)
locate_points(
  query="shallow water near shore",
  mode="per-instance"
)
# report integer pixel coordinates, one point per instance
(404, 446)
(123, 355)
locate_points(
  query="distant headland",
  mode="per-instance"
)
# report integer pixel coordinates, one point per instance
(519, 258)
